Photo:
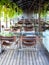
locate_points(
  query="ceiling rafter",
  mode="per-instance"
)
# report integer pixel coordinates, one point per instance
(30, 4)
(25, 3)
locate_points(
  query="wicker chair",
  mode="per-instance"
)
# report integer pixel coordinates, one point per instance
(29, 41)
(9, 42)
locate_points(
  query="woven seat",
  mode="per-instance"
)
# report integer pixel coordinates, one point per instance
(9, 42)
(12, 38)
(6, 43)
(28, 41)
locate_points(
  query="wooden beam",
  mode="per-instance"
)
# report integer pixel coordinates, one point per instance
(0, 25)
(31, 5)
(39, 16)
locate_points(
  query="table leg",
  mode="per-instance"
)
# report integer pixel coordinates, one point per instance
(21, 42)
(0, 46)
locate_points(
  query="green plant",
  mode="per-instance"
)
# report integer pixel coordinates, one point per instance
(10, 9)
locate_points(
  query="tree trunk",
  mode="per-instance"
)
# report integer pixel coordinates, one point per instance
(6, 23)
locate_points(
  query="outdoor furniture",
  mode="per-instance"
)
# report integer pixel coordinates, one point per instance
(29, 40)
(28, 43)
(27, 28)
(7, 29)
(0, 44)
(8, 42)
(28, 37)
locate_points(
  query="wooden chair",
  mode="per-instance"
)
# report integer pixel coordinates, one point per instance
(9, 42)
(28, 28)
(29, 37)
(29, 41)
(7, 29)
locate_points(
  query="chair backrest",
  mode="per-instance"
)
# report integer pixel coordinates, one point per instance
(7, 29)
(8, 40)
(6, 43)
(28, 28)
(29, 41)
(12, 38)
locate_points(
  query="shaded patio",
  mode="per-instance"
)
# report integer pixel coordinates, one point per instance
(25, 57)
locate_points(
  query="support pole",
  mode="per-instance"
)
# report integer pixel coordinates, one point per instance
(0, 25)
(39, 18)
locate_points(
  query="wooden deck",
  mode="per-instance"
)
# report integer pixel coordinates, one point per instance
(14, 57)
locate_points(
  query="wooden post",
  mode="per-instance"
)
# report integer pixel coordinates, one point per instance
(0, 25)
(39, 17)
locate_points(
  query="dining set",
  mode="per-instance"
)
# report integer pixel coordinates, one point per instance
(21, 37)
(27, 39)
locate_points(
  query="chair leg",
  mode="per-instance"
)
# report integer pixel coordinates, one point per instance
(0, 46)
